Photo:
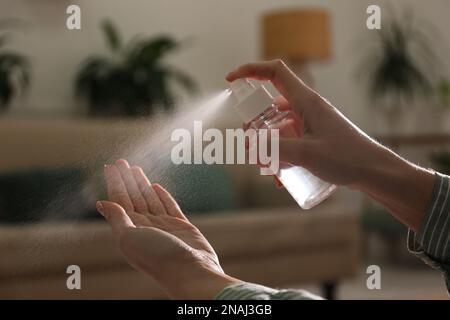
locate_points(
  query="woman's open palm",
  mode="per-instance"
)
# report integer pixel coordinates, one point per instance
(153, 233)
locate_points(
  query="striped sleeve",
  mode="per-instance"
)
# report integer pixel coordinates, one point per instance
(431, 243)
(251, 291)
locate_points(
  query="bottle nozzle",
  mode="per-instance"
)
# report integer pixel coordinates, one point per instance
(242, 88)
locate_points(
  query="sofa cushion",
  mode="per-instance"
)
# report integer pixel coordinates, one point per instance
(203, 188)
(39, 194)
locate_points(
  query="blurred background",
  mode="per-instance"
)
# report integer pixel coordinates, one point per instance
(72, 100)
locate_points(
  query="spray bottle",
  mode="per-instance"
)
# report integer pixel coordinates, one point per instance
(256, 107)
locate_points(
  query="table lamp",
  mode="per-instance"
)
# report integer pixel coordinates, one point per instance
(298, 37)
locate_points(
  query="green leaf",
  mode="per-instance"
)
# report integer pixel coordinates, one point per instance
(6, 90)
(148, 52)
(92, 70)
(15, 67)
(112, 35)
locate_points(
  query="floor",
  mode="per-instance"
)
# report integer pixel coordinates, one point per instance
(397, 282)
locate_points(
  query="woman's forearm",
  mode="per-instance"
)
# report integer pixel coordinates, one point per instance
(400, 186)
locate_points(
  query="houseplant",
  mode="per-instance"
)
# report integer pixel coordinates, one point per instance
(14, 68)
(399, 65)
(133, 80)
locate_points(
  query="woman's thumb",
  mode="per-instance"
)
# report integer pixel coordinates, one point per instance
(115, 215)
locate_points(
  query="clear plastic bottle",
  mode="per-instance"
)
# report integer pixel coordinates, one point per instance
(256, 107)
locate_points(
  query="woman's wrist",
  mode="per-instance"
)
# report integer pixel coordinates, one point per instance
(198, 283)
(402, 187)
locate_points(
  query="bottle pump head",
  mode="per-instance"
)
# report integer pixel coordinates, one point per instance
(252, 101)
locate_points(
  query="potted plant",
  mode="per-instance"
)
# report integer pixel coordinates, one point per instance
(399, 66)
(14, 68)
(132, 80)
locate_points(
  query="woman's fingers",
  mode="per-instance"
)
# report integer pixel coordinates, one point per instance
(134, 193)
(276, 71)
(117, 191)
(169, 202)
(295, 151)
(116, 216)
(154, 203)
(130, 187)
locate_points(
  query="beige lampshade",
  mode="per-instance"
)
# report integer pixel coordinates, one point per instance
(297, 35)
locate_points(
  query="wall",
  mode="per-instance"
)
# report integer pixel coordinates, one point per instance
(225, 34)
